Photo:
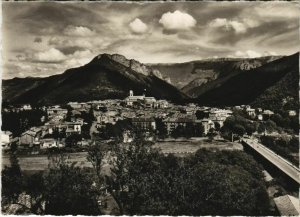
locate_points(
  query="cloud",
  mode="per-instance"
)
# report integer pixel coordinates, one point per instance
(138, 27)
(78, 31)
(50, 56)
(177, 21)
(37, 40)
(247, 54)
(237, 26)
(64, 42)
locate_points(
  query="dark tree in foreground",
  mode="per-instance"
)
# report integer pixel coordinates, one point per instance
(95, 157)
(12, 181)
(145, 182)
(69, 191)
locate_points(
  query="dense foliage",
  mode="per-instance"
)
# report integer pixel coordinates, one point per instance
(18, 122)
(223, 183)
(142, 181)
(63, 190)
(238, 125)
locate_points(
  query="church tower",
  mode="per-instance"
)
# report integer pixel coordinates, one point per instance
(130, 93)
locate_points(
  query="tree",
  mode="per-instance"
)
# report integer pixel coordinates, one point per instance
(95, 156)
(200, 114)
(178, 131)
(35, 186)
(12, 181)
(132, 164)
(239, 129)
(68, 191)
(72, 140)
(270, 126)
(144, 182)
(217, 126)
(161, 128)
(250, 128)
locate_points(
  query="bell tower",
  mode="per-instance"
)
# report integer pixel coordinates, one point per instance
(130, 93)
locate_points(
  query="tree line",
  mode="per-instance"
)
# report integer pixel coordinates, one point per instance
(142, 181)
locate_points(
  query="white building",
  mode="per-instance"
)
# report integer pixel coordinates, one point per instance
(6, 137)
(251, 112)
(48, 143)
(149, 102)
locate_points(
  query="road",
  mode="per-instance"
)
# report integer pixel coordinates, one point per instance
(291, 170)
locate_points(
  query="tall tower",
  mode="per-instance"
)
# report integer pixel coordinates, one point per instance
(130, 93)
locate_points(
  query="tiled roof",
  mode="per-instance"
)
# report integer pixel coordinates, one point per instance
(287, 205)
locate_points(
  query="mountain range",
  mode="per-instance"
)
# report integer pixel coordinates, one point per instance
(106, 76)
(218, 82)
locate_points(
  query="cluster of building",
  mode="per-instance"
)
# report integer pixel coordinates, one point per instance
(142, 111)
(261, 114)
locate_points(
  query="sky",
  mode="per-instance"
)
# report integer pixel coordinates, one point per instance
(46, 38)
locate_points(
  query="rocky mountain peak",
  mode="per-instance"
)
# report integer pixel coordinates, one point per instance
(130, 64)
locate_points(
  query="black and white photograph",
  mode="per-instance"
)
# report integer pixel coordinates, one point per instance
(149, 108)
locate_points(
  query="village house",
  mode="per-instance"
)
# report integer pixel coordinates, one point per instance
(287, 205)
(79, 106)
(219, 116)
(104, 119)
(72, 128)
(6, 137)
(149, 102)
(207, 125)
(31, 137)
(48, 143)
(26, 107)
(127, 136)
(292, 113)
(251, 112)
(267, 114)
(161, 104)
(172, 123)
(260, 117)
(144, 123)
(259, 110)
(57, 112)
(77, 120)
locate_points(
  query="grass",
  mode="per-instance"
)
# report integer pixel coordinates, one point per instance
(188, 147)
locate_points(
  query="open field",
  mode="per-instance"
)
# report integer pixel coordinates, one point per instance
(181, 148)
(41, 162)
(187, 147)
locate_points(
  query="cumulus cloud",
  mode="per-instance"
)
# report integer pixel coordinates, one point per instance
(78, 31)
(177, 21)
(239, 26)
(50, 56)
(138, 27)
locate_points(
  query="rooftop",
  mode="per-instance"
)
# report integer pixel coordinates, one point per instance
(287, 205)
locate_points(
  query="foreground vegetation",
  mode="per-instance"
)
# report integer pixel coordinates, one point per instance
(142, 181)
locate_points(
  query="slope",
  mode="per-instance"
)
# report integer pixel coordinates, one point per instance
(104, 77)
(246, 87)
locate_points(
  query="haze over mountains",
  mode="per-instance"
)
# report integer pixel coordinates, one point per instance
(223, 81)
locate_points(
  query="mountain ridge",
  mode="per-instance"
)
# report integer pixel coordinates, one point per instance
(101, 78)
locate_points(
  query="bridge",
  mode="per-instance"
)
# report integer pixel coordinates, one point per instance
(281, 163)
